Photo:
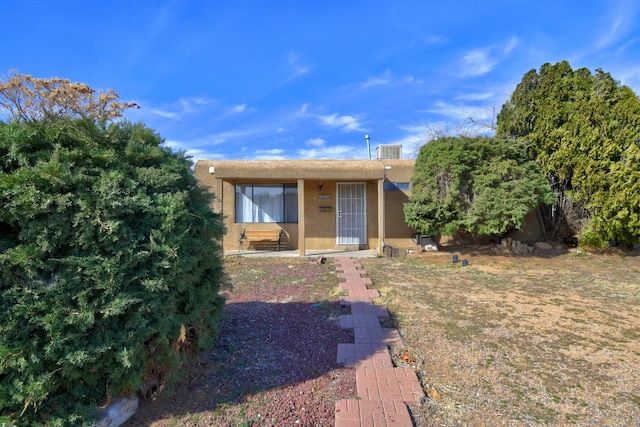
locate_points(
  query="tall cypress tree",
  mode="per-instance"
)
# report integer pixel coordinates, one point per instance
(583, 130)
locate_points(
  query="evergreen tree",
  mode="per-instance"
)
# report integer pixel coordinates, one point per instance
(110, 265)
(481, 185)
(583, 130)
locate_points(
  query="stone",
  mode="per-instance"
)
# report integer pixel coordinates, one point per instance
(521, 248)
(118, 412)
(543, 246)
(506, 243)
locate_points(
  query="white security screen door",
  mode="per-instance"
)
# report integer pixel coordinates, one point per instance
(351, 213)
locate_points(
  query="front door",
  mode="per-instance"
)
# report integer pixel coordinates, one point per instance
(351, 213)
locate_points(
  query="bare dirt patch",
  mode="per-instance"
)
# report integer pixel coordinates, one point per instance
(518, 340)
(505, 341)
(275, 360)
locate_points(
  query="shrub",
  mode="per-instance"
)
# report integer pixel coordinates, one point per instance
(482, 186)
(110, 265)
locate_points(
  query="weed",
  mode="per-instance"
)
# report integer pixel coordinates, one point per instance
(539, 336)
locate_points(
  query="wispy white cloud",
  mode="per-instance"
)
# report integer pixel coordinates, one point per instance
(239, 108)
(378, 81)
(477, 62)
(182, 107)
(433, 39)
(461, 112)
(191, 149)
(184, 110)
(332, 152)
(630, 76)
(315, 142)
(227, 136)
(201, 154)
(480, 96)
(295, 67)
(387, 78)
(628, 44)
(144, 36)
(511, 44)
(165, 114)
(345, 122)
(620, 20)
(480, 61)
(272, 154)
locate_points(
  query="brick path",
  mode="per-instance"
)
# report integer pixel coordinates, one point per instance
(383, 391)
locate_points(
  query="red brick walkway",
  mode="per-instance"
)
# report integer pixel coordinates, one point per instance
(383, 391)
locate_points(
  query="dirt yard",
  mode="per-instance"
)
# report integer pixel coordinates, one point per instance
(505, 341)
(518, 340)
(274, 363)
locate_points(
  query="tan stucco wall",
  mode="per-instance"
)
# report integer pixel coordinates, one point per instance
(320, 204)
(397, 232)
(320, 214)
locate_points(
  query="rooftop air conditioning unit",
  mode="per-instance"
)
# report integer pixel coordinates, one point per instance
(389, 152)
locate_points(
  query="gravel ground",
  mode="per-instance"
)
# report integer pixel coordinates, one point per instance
(274, 363)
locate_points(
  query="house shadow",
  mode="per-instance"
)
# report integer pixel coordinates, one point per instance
(261, 346)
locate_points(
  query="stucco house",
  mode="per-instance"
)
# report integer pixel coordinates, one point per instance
(317, 204)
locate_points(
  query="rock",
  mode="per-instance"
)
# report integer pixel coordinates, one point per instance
(388, 251)
(118, 412)
(391, 252)
(431, 248)
(543, 246)
(507, 243)
(517, 247)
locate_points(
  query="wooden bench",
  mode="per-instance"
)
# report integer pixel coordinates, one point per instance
(264, 237)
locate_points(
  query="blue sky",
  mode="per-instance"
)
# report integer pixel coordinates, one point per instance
(287, 79)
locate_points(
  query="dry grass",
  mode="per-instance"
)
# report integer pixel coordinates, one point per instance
(518, 341)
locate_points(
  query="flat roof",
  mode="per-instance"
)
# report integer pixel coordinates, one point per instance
(302, 169)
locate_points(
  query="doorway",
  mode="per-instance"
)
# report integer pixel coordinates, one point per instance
(351, 213)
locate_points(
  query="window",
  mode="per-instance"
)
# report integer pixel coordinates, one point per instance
(266, 203)
(396, 186)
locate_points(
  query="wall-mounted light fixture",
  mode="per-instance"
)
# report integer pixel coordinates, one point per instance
(212, 170)
(320, 186)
